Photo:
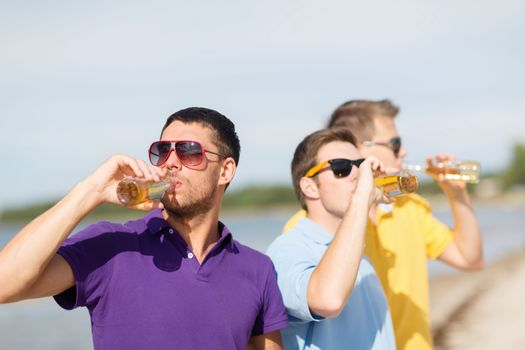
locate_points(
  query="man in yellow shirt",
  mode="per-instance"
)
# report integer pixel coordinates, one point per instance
(401, 236)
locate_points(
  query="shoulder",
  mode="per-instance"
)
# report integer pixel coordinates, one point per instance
(297, 247)
(254, 267)
(412, 201)
(107, 231)
(292, 221)
(290, 240)
(252, 256)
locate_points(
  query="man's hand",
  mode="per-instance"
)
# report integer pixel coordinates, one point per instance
(105, 178)
(449, 187)
(29, 265)
(466, 250)
(369, 169)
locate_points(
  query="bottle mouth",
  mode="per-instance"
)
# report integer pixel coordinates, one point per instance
(170, 187)
(170, 183)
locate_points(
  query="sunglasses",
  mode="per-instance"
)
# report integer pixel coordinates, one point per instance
(340, 167)
(189, 153)
(394, 144)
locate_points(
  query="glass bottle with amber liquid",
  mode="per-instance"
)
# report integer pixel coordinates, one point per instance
(397, 184)
(466, 171)
(131, 191)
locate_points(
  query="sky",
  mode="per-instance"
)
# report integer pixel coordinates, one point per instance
(80, 81)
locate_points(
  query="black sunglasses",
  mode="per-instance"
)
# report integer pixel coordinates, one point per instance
(341, 167)
(394, 144)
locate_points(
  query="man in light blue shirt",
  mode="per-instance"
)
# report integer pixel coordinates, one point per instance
(332, 295)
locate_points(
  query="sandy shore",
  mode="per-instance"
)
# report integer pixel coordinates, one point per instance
(481, 310)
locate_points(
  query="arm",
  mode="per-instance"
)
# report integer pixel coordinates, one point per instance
(465, 251)
(269, 341)
(333, 280)
(29, 265)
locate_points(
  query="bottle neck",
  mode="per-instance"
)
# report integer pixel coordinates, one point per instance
(415, 167)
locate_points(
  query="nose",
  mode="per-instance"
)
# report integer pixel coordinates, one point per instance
(173, 161)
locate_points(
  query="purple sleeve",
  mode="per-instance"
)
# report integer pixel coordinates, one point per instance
(272, 316)
(87, 253)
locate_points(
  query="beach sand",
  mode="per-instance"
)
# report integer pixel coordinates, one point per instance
(480, 310)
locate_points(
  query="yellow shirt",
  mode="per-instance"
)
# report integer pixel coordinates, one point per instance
(398, 246)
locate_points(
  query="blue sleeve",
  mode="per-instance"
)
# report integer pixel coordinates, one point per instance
(294, 264)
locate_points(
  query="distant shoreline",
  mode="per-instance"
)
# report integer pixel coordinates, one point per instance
(438, 202)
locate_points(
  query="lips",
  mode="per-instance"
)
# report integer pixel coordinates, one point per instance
(175, 185)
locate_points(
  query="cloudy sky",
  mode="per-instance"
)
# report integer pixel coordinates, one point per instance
(80, 81)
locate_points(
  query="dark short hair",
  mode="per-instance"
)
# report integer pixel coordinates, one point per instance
(358, 116)
(225, 137)
(305, 156)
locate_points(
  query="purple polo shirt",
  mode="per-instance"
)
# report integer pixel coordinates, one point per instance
(145, 289)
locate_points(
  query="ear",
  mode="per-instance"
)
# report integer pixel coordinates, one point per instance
(309, 187)
(227, 173)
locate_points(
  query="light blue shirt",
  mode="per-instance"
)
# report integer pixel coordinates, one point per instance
(364, 323)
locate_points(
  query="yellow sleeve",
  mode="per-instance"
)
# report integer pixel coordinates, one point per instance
(437, 237)
(436, 234)
(293, 220)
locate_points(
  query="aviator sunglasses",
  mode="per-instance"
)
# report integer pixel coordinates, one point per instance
(394, 144)
(189, 153)
(340, 167)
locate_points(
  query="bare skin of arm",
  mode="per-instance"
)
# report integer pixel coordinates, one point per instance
(333, 280)
(29, 265)
(466, 251)
(269, 341)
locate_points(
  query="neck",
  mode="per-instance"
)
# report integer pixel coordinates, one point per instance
(324, 218)
(200, 231)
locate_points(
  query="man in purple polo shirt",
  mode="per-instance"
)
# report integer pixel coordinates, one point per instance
(174, 279)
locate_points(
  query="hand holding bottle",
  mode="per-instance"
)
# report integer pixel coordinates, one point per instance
(451, 169)
(104, 180)
(452, 175)
(368, 171)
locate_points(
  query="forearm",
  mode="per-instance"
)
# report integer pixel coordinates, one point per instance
(467, 235)
(333, 280)
(27, 255)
